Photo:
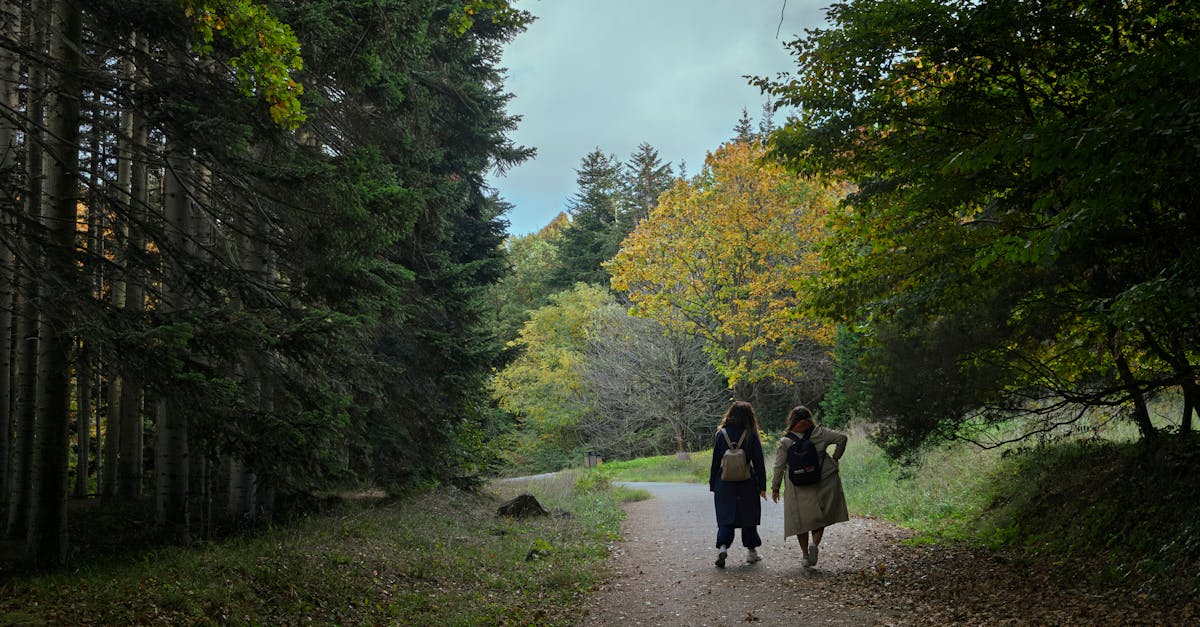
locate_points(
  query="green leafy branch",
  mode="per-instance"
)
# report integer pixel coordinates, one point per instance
(498, 12)
(267, 52)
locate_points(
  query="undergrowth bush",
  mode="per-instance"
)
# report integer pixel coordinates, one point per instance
(1130, 507)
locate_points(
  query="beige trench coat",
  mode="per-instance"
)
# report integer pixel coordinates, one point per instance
(810, 507)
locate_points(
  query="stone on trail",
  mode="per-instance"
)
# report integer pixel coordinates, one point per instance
(523, 506)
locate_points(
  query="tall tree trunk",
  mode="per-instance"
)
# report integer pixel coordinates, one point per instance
(264, 268)
(107, 477)
(20, 481)
(679, 393)
(242, 490)
(171, 442)
(243, 482)
(10, 24)
(129, 468)
(118, 285)
(83, 416)
(21, 465)
(86, 370)
(47, 539)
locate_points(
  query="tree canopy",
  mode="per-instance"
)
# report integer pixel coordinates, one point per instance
(1019, 238)
(726, 256)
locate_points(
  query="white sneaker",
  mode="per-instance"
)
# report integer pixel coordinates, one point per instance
(753, 556)
(813, 551)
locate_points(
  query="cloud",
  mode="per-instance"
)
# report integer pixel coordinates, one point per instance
(615, 73)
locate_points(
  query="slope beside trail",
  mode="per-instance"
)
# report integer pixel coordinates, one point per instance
(663, 574)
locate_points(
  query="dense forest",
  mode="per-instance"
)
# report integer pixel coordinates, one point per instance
(244, 252)
(249, 251)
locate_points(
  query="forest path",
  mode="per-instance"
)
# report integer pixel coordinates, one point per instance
(664, 575)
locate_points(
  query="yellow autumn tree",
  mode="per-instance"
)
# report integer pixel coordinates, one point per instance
(545, 385)
(728, 256)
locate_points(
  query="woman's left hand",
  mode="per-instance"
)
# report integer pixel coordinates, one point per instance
(763, 494)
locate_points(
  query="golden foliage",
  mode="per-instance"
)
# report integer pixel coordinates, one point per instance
(729, 256)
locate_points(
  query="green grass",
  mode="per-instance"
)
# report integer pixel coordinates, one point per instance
(666, 468)
(938, 496)
(441, 558)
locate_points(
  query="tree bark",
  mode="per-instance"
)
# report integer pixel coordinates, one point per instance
(86, 370)
(1141, 413)
(129, 467)
(256, 260)
(10, 24)
(47, 538)
(20, 481)
(171, 442)
(83, 417)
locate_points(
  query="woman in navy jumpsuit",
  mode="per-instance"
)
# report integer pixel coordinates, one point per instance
(737, 502)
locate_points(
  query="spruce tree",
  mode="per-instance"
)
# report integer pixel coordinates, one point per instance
(646, 178)
(743, 131)
(594, 234)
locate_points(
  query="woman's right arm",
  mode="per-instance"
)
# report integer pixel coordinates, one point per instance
(780, 467)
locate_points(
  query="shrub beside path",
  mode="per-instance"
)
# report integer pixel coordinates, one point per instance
(663, 574)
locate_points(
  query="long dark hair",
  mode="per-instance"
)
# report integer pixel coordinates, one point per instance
(740, 414)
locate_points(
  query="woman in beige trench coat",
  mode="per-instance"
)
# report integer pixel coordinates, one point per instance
(810, 508)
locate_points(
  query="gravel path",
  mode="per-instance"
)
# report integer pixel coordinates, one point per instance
(663, 574)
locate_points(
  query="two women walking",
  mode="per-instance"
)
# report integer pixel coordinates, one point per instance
(808, 508)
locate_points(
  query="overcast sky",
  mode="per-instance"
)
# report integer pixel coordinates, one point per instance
(615, 73)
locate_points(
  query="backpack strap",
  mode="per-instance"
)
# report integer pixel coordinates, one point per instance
(730, 443)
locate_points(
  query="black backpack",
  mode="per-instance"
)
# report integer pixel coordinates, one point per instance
(803, 460)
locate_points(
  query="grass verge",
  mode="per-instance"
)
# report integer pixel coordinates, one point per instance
(441, 558)
(667, 468)
(1127, 512)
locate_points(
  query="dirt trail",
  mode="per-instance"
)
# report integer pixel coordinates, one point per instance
(664, 575)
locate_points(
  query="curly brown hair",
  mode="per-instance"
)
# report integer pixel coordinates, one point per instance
(740, 414)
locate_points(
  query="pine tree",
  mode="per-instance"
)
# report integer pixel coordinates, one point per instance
(594, 234)
(766, 124)
(9, 101)
(47, 533)
(646, 178)
(373, 215)
(743, 131)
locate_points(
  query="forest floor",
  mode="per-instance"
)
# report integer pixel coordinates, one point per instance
(663, 574)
